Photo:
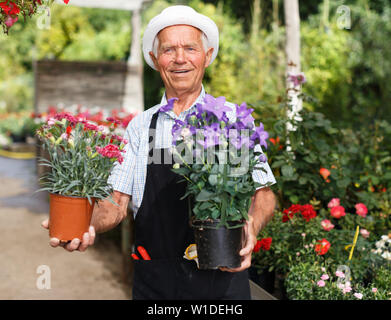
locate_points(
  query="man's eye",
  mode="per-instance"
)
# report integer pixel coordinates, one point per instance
(167, 50)
(190, 49)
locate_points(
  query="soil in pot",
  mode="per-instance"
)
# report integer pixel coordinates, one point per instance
(218, 247)
(70, 217)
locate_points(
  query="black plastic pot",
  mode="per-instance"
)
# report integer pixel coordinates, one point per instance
(218, 247)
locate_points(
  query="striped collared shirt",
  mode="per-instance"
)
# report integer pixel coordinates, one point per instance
(129, 177)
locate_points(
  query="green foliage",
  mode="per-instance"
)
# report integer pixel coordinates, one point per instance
(85, 34)
(19, 125)
(382, 278)
(325, 58)
(302, 284)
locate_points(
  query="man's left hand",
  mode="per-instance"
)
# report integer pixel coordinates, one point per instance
(250, 239)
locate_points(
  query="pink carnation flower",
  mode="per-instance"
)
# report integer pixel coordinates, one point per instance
(364, 233)
(361, 209)
(321, 283)
(358, 295)
(346, 289)
(333, 203)
(337, 212)
(325, 277)
(327, 225)
(111, 151)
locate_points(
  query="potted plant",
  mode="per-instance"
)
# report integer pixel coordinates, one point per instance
(216, 149)
(10, 10)
(81, 156)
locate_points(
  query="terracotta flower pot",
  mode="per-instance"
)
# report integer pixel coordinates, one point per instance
(70, 217)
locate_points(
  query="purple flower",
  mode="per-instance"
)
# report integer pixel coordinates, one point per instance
(262, 158)
(261, 135)
(234, 138)
(169, 105)
(215, 106)
(297, 79)
(176, 130)
(211, 135)
(242, 111)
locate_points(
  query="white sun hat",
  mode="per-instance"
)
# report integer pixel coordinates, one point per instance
(176, 15)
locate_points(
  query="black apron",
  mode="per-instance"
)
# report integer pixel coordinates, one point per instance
(162, 228)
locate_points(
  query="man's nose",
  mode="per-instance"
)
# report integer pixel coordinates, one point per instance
(180, 56)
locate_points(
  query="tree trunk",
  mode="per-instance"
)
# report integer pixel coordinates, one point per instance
(275, 16)
(256, 20)
(133, 100)
(292, 50)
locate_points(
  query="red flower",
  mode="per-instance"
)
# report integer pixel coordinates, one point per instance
(322, 247)
(115, 121)
(337, 212)
(66, 1)
(266, 243)
(89, 126)
(290, 212)
(69, 129)
(276, 141)
(308, 212)
(361, 209)
(4, 6)
(67, 116)
(324, 173)
(257, 246)
(111, 151)
(327, 225)
(14, 9)
(263, 244)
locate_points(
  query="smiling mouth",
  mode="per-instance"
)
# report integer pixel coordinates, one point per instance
(180, 71)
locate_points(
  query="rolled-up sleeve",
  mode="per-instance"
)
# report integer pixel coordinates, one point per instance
(122, 175)
(264, 176)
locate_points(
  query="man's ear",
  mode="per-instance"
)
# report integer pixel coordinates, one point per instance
(208, 56)
(154, 60)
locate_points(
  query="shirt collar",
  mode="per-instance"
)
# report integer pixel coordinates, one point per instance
(171, 113)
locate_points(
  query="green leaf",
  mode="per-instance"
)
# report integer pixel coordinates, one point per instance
(205, 195)
(287, 171)
(213, 179)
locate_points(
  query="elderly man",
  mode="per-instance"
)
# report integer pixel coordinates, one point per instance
(179, 43)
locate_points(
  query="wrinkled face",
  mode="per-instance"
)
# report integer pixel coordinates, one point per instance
(181, 58)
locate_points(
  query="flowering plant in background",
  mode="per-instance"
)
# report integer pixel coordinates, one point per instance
(383, 247)
(82, 155)
(322, 247)
(96, 115)
(318, 281)
(263, 244)
(295, 232)
(216, 149)
(10, 10)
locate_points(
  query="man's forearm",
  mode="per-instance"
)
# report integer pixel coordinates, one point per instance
(262, 207)
(107, 215)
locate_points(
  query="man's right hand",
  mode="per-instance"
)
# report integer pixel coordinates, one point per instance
(75, 244)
